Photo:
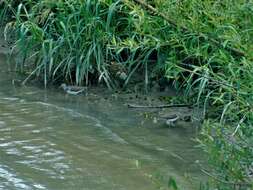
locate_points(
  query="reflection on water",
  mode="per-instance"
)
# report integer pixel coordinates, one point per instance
(52, 141)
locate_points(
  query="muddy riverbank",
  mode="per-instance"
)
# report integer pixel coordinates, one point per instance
(52, 140)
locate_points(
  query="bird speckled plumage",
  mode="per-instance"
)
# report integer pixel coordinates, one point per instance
(73, 90)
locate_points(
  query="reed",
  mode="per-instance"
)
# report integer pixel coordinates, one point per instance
(204, 47)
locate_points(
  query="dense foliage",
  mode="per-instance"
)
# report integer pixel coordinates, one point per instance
(204, 46)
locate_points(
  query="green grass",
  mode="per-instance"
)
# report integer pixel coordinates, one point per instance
(78, 41)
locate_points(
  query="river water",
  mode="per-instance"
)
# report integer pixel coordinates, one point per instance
(53, 141)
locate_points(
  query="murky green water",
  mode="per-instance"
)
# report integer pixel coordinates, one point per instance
(52, 141)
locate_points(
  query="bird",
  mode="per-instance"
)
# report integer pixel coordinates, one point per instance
(73, 90)
(118, 70)
(171, 119)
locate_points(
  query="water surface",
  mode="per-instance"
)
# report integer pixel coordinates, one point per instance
(53, 141)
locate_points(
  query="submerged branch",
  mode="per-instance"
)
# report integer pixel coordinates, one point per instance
(160, 106)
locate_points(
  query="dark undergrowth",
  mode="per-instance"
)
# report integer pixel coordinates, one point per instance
(203, 47)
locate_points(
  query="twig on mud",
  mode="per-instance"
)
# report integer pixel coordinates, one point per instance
(160, 106)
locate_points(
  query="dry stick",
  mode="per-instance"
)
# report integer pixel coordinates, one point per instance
(160, 106)
(184, 29)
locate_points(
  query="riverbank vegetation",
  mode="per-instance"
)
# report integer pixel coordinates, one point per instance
(202, 47)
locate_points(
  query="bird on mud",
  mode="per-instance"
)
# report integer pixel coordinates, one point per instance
(73, 90)
(171, 119)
